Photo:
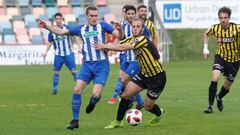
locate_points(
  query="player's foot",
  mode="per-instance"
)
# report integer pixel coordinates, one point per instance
(73, 124)
(112, 101)
(209, 109)
(139, 107)
(90, 108)
(219, 103)
(54, 92)
(155, 120)
(115, 124)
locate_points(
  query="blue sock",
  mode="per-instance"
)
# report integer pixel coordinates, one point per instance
(118, 88)
(139, 99)
(76, 103)
(93, 100)
(55, 81)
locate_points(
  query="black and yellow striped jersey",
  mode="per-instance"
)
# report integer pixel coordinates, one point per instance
(151, 27)
(146, 54)
(228, 41)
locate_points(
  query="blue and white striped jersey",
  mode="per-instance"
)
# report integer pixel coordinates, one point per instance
(90, 34)
(63, 45)
(127, 31)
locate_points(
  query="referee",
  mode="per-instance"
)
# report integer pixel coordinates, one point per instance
(226, 58)
(151, 77)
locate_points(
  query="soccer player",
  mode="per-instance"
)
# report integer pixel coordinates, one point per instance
(151, 77)
(226, 59)
(128, 63)
(95, 66)
(63, 46)
(142, 13)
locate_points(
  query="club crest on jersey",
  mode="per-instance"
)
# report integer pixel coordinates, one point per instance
(91, 34)
(59, 38)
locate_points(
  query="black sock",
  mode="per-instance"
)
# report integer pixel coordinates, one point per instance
(122, 108)
(223, 92)
(156, 110)
(212, 92)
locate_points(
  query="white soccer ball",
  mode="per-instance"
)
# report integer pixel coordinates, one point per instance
(134, 117)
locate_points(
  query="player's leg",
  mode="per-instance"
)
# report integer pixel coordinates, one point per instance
(118, 88)
(230, 74)
(155, 86)
(130, 90)
(216, 73)
(100, 72)
(223, 92)
(83, 78)
(130, 71)
(58, 62)
(70, 63)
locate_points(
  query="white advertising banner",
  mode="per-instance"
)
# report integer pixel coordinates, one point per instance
(32, 55)
(194, 13)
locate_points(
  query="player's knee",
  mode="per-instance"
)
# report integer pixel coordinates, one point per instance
(77, 89)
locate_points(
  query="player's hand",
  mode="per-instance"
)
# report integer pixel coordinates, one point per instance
(117, 26)
(205, 51)
(98, 46)
(42, 24)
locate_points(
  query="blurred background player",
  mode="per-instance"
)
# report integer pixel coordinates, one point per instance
(151, 77)
(226, 59)
(63, 46)
(142, 13)
(95, 62)
(119, 85)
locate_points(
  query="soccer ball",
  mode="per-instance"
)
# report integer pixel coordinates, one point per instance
(134, 117)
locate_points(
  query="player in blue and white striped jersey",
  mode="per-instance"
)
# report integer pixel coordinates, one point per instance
(95, 66)
(63, 46)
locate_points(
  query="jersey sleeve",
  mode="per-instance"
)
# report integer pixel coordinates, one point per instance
(107, 27)
(50, 37)
(210, 31)
(75, 30)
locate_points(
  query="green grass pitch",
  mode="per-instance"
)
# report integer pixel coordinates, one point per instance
(28, 108)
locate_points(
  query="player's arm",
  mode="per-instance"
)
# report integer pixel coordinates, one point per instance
(47, 49)
(53, 29)
(205, 45)
(115, 47)
(79, 44)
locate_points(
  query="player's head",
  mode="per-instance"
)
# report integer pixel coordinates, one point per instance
(92, 15)
(224, 15)
(130, 12)
(58, 19)
(137, 27)
(142, 12)
(124, 11)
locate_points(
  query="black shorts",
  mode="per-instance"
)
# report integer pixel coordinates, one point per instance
(154, 85)
(229, 69)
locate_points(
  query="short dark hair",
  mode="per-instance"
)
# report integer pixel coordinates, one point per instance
(130, 7)
(141, 6)
(124, 7)
(141, 20)
(90, 8)
(225, 10)
(58, 14)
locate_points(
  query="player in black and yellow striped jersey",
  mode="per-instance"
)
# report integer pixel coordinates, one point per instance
(146, 54)
(152, 76)
(142, 13)
(226, 58)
